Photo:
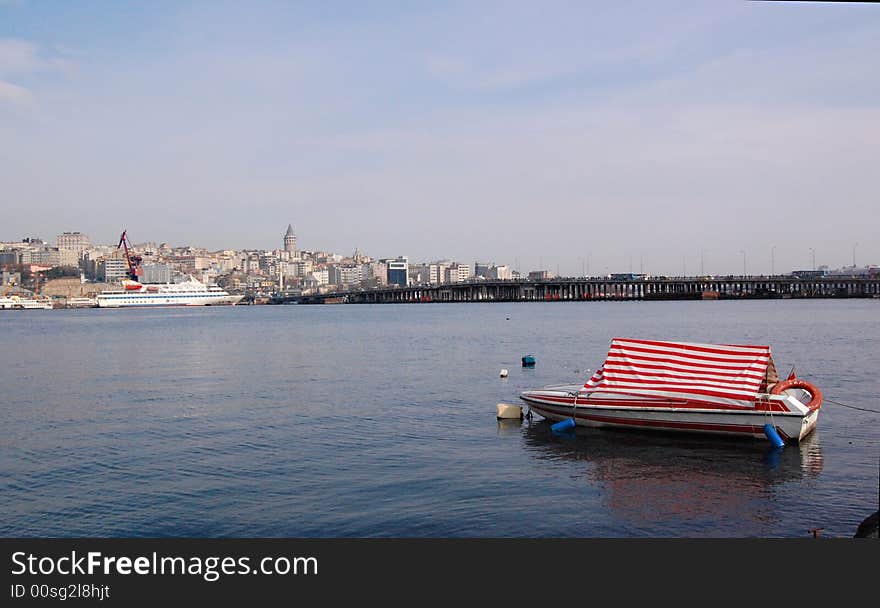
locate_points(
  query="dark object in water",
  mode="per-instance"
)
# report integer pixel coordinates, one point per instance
(528, 361)
(868, 528)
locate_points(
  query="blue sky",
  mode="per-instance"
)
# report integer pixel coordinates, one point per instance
(632, 134)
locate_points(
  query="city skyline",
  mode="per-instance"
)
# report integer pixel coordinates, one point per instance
(288, 242)
(655, 138)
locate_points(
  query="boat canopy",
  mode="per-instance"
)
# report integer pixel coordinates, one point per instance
(730, 374)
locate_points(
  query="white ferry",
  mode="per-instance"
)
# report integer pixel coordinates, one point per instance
(187, 293)
(25, 303)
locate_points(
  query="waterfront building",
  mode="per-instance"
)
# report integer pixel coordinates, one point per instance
(329, 258)
(110, 270)
(437, 272)
(419, 274)
(365, 271)
(189, 264)
(378, 273)
(344, 275)
(458, 273)
(540, 275)
(73, 241)
(268, 263)
(209, 276)
(491, 271)
(334, 275)
(225, 263)
(232, 281)
(299, 268)
(50, 256)
(398, 271)
(90, 259)
(252, 264)
(10, 258)
(290, 241)
(156, 273)
(68, 257)
(320, 276)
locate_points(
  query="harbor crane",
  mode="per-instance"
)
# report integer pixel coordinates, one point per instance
(133, 260)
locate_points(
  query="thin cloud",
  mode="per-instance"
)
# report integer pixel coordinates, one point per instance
(19, 57)
(14, 93)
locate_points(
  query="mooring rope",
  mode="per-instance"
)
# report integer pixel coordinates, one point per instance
(861, 409)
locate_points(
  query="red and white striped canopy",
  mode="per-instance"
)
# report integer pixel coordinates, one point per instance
(728, 374)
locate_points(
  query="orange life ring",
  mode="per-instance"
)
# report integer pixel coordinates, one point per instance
(811, 388)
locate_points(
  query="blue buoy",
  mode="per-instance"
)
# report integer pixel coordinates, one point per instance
(528, 361)
(564, 425)
(773, 436)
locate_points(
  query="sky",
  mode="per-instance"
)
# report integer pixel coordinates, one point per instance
(658, 136)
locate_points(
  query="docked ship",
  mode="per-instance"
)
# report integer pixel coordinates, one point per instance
(187, 293)
(136, 294)
(15, 302)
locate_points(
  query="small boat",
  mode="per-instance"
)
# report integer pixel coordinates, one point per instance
(721, 389)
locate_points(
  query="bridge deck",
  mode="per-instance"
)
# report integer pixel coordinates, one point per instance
(574, 289)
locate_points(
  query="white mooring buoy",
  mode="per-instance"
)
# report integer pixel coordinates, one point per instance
(506, 410)
(503, 373)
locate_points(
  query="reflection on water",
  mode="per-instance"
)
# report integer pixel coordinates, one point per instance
(509, 427)
(652, 479)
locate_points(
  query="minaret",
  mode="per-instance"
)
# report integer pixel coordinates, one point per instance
(290, 241)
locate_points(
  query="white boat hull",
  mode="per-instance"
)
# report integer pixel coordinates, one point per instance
(559, 404)
(147, 300)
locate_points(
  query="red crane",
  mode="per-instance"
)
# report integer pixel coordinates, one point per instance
(134, 260)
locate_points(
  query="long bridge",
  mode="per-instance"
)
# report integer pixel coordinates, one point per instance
(603, 289)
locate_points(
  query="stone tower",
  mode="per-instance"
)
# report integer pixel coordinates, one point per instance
(290, 241)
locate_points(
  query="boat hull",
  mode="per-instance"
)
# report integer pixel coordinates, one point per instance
(151, 300)
(557, 405)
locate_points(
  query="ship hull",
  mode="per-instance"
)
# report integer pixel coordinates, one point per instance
(166, 300)
(670, 416)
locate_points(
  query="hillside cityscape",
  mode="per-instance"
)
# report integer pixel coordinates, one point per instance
(33, 263)
(75, 266)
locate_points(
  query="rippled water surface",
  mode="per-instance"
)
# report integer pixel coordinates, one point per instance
(365, 421)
